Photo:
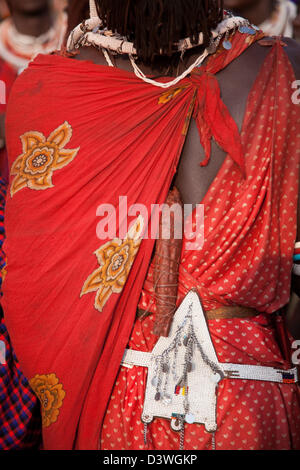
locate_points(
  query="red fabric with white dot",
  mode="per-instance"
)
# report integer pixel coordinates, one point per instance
(249, 236)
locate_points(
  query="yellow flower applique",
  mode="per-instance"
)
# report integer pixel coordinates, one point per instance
(115, 259)
(40, 158)
(51, 395)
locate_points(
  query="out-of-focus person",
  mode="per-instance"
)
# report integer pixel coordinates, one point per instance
(274, 17)
(34, 27)
(3, 10)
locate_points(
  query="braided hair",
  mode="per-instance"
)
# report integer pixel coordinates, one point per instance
(154, 26)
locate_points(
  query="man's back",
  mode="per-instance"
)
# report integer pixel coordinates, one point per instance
(107, 134)
(236, 82)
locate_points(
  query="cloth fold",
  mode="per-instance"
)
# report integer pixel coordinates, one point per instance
(88, 135)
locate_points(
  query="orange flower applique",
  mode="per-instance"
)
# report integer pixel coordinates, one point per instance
(171, 94)
(51, 395)
(115, 259)
(40, 158)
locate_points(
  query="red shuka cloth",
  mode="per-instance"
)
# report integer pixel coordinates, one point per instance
(246, 259)
(89, 134)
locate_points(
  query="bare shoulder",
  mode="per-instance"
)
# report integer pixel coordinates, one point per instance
(293, 51)
(256, 54)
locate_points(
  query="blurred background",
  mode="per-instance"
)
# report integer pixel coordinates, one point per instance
(275, 17)
(29, 27)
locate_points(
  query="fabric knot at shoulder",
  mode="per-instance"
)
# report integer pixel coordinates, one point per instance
(210, 113)
(206, 105)
(214, 119)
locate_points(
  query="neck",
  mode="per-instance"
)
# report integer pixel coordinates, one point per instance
(34, 25)
(258, 11)
(122, 62)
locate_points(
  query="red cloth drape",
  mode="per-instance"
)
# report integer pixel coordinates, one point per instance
(246, 259)
(88, 135)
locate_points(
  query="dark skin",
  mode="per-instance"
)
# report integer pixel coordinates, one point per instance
(31, 17)
(235, 82)
(297, 27)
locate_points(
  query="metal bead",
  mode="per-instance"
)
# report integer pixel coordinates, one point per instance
(296, 269)
(227, 45)
(190, 418)
(243, 29)
(167, 399)
(165, 368)
(247, 30)
(157, 396)
(154, 382)
(216, 378)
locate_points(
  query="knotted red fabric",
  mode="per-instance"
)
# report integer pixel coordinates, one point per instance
(88, 135)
